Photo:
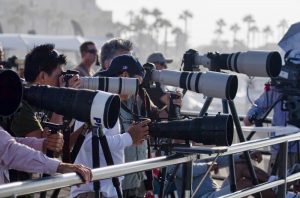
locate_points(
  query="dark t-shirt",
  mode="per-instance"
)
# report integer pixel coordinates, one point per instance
(26, 120)
(155, 94)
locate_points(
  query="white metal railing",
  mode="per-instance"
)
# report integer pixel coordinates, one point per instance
(63, 180)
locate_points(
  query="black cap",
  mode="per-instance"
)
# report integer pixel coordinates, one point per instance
(121, 64)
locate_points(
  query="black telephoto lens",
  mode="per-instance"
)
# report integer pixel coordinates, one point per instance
(209, 130)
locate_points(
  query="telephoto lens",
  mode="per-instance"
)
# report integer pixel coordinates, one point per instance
(208, 130)
(212, 84)
(95, 107)
(121, 86)
(251, 63)
(10, 92)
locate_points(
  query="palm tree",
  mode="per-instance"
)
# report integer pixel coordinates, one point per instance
(130, 13)
(235, 28)
(156, 13)
(282, 26)
(267, 33)
(179, 38)
(166, 24)
(219, 31)
(144, 13)
(249, 20)
(185, 15)
(253, 30)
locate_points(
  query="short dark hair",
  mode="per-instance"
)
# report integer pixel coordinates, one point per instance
(109, 48)
(85, 46)
(42, 58)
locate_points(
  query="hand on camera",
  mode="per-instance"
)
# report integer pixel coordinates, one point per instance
(73, 82)
(84, 173)
(53, 142)
(139, 131)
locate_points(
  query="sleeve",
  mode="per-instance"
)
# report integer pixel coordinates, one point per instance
(119, 142)
(32, 142)
(261, 104)
(25, 121)
(14, 155)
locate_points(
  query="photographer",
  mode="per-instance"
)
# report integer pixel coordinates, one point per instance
(133, 184)
(270, 96)
(158, 94)
(132, 136)
(43, 65)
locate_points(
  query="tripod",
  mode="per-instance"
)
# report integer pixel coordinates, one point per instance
(241, 137)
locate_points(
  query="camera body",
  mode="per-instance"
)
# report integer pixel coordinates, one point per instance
(251, 63)
(288, 83)
(67, 75)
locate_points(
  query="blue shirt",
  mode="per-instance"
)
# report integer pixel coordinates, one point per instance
(280, 118)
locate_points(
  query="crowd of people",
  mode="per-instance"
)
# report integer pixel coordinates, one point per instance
(24, 139)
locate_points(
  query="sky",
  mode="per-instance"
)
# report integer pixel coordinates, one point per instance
(206, 12)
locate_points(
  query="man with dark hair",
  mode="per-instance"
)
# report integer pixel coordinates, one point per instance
(113, 48)
(43, 66)
(89, 56)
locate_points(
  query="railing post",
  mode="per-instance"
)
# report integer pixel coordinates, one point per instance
(282, 169)
(188, 179)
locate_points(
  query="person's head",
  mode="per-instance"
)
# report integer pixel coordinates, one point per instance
(159, 60)
(43, 65)
(88, 53)
(124, 66)
(112, 48)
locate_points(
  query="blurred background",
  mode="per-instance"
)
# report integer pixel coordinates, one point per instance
(171, 27)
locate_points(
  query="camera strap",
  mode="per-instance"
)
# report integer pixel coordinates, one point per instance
(108, 158)
(96, 158)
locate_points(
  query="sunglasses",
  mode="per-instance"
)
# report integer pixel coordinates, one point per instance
(92, 51)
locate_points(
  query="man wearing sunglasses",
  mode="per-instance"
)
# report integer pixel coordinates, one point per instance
(158, 94)
(88, 53)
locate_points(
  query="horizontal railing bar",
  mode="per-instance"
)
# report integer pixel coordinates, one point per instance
(58, 181)
(254, 189)
(240, 147)
(63, 180)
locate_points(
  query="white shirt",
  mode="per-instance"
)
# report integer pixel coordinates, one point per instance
(117, 143)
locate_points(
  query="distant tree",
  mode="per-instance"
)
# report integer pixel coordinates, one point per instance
(248, 19)
(130, 13)
(156, 13)
(282, 26)
(253, 31)
(235, 28)
(138, 24)
(268, 32)
(144, 13)
(185, 15)
(219, 31)
(166, 24)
